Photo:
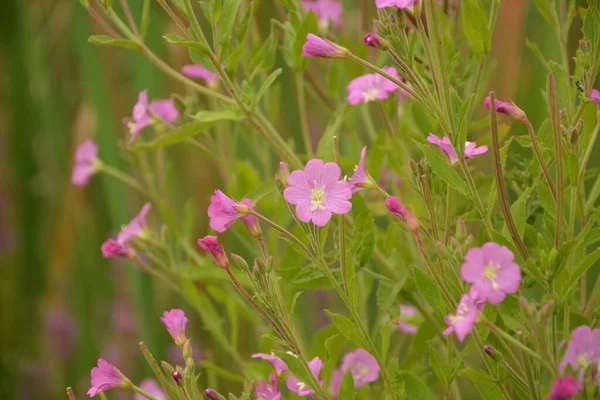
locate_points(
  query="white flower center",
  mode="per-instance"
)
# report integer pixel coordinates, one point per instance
(362, 369)
(317, 198)
(583, 360)
(300, 385)
(490, 273)
(371, 94)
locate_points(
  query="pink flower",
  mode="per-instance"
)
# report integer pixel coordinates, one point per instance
(395, 207)
(372, 87)
(86, 163)
(277, 363)
(105, 377)
(224, 211)
(175, 321)
(143, 114)
(595, 95)
(395, 3)
(250, 221)
(564, 388)
(267, 390)
(466, 315)
(319, 47)
(317, 192)
(388, 177)
(211, 245)
(199, 72)
(583, 350)
(470, 147)
(492, 271)
(326, 10)
(150, 386)
(336, 381)
(363, 366)
(508, 109)
(361, 179)
(117, 248)
(408, 311)
(301, 388)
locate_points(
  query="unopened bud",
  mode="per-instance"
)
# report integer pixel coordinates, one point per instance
(508, 109)
(211, 394)
(376, 41)
(284, 170)
(441, 249)
(280, 185)
(461, 230)
(211, 245)
(492, 352)
(527, 307)
(574, 137)
(177, 377)
(167, 367)
(239, 262)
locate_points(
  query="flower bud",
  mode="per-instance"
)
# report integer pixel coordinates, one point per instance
(284, 171)
(527, 307)
(376, 41)
(177, 377)
(211, 394)
(239, 262)
(167, 367)
(395, 207)
(493, 353)
(508, 109)
(280, 184)
(211, 245)
(461, 230)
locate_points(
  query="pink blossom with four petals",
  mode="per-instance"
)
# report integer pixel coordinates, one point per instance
(583, 350)
(362, 365)
(327, 11)
(471, 148)
(301, 388)
(318, 192)
(118, 248)
(224, 211)
(466, 315)
(371, 87)
(199, 72)
(144, 113)
(492, 271)
(105, 377)
(361, 179)
(564, 388)
(267, 390)
(275, 361)
(86, 163)
(175, 321)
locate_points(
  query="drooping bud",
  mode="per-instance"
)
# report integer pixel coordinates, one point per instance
(177, 377)
(508, 109)
(284, 171)
(211, 245)
(239, 262)
(318, 47)
(375, 41)
(211, 394)
(395, 207)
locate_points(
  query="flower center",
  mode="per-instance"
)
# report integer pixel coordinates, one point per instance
(301, 385)
(583, 360)
(361, 369)
(371, 94)
(317, 198)
(490, 273)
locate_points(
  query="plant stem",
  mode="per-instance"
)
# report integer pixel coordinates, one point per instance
(558, 158)
(540, 157)
(448, 220)
(500, 185)
(303, 114)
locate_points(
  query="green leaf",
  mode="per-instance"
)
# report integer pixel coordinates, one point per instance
(475, 23)
(442, 370)
(227, 19)
(415, 388)
(444, 170)
(546, 8)
(266, 84)
(347, 390)
(350, 330)
(486, 385)
(293, 306)
(519, 211)
(309, 24)
(106, 40)
(545, 197)
(428, 289)
(176, 39)
(298, 370)
(564, 285)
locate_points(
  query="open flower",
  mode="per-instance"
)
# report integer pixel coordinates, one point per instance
(407, 310)
(267, 390)
(199, 72)
(372, 87)
(363, 366)
(318, 192)
(105, 377)
(275, 361)
(395, 3)
(361, 178)
(175, 321)
(150, 386)
(508, 109)
(211, 245)
(86, 163)
(224, 211)
(492, 271)
(118, 248)
(144, 113)
(564, 388)
(319, 47)
(301, 388)
(583, 350)
(327, 11)
(595, 95)
(471, 148)
(466, 315)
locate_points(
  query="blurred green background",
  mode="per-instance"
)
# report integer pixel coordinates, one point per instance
(62, 304)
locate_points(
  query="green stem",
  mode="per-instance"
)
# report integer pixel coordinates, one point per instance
(448, 221)
(303, 114)
(553, 101)
(538, 154)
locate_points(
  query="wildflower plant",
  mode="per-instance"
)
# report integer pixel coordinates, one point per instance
(466, 275)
